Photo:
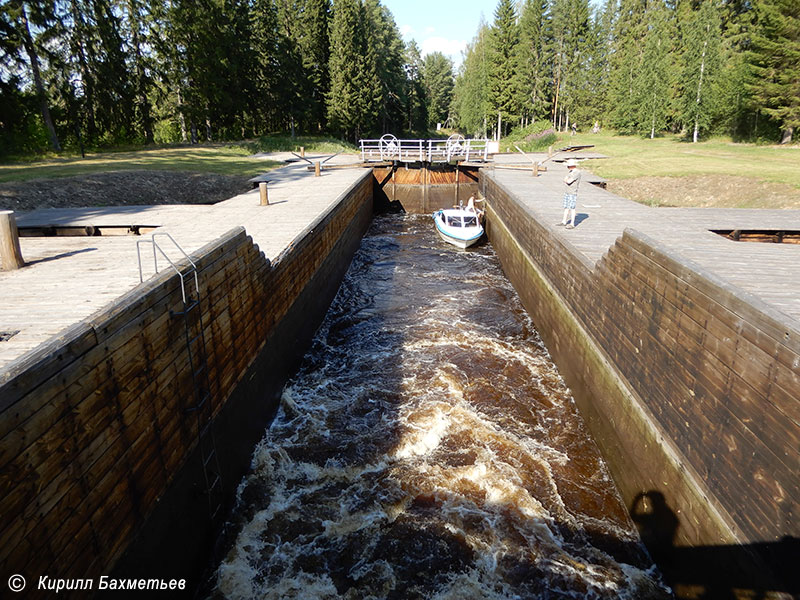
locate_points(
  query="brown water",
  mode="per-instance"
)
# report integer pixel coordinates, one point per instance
(428, 448)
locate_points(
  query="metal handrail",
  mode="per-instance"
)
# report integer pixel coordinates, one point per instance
(423, 150)
(158, 248)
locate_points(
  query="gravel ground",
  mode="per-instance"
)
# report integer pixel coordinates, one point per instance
(120, 188)
(718, 191)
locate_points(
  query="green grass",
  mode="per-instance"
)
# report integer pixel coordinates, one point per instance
(671, 156)
(540, 134)
(223, 159)
(313, 144)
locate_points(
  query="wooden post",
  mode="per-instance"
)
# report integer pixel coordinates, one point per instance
(317, 168)
(549, 152)
(262, 188)
(10, 252)
(536, 169)
(456, 184)
(303, 151)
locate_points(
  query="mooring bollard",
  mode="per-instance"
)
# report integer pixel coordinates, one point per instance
(317, 168)
(10, 252)
(262, 189)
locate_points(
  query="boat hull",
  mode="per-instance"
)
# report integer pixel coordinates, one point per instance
(460, 237)
(457, 242)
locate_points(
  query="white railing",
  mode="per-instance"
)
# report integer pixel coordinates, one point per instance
(454, 148)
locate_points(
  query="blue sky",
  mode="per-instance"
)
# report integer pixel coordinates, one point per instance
(443, 25)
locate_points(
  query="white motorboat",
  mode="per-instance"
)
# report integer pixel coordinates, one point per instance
(459, 226)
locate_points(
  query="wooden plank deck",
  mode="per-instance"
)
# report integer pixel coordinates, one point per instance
(771, 272)
(69, 278)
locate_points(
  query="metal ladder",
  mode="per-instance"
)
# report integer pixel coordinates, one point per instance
(192, 315)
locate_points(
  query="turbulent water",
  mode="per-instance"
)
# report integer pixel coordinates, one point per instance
(428, 448)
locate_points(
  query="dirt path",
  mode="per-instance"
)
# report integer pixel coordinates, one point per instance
(120, 188)
(719, 191)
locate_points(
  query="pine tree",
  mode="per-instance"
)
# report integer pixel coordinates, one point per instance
(142, 65)
(315, 45)
(114, 98)
(775, 63)
(22, 127)
(82, 50)
(415, 98)
(652, 85)
(604, 22)
(20, 15)
(504, 37)
(385, 46)
(264, 23)
(571, 51)
(182, 35)
(293, 85)
(343, 67)
(369, 99)
(579, 86)
(354, 96)
(533, 61)
(737, 113)
(437, 76)
(239, 88)
(630, 29)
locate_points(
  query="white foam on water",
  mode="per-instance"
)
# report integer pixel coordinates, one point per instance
(387, 471)
(423, 434)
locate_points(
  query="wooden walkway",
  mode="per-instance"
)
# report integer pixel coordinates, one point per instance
(770, 272)
(69, 278)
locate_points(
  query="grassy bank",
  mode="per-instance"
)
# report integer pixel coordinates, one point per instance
(536, 137)
(632, 157)
(223, 159)
(313, 144)
(669, 171)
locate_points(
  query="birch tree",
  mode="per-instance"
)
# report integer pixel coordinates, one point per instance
(471, 101)
(701, 64)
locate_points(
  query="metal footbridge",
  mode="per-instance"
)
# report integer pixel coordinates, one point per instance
(453, 149)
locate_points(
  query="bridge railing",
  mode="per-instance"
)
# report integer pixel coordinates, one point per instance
(455, 148)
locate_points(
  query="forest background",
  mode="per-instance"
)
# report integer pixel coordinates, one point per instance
(90, 74)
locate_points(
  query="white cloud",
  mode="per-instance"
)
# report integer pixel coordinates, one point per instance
(451, 48)
(406, 30)
(430, 30)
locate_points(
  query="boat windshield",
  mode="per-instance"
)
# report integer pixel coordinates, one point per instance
(470, 222)
(454, 221)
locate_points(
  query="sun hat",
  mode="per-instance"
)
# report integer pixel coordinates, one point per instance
(572, 163)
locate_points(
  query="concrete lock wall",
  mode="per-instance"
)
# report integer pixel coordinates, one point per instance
(688, 385)
(100, 464)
